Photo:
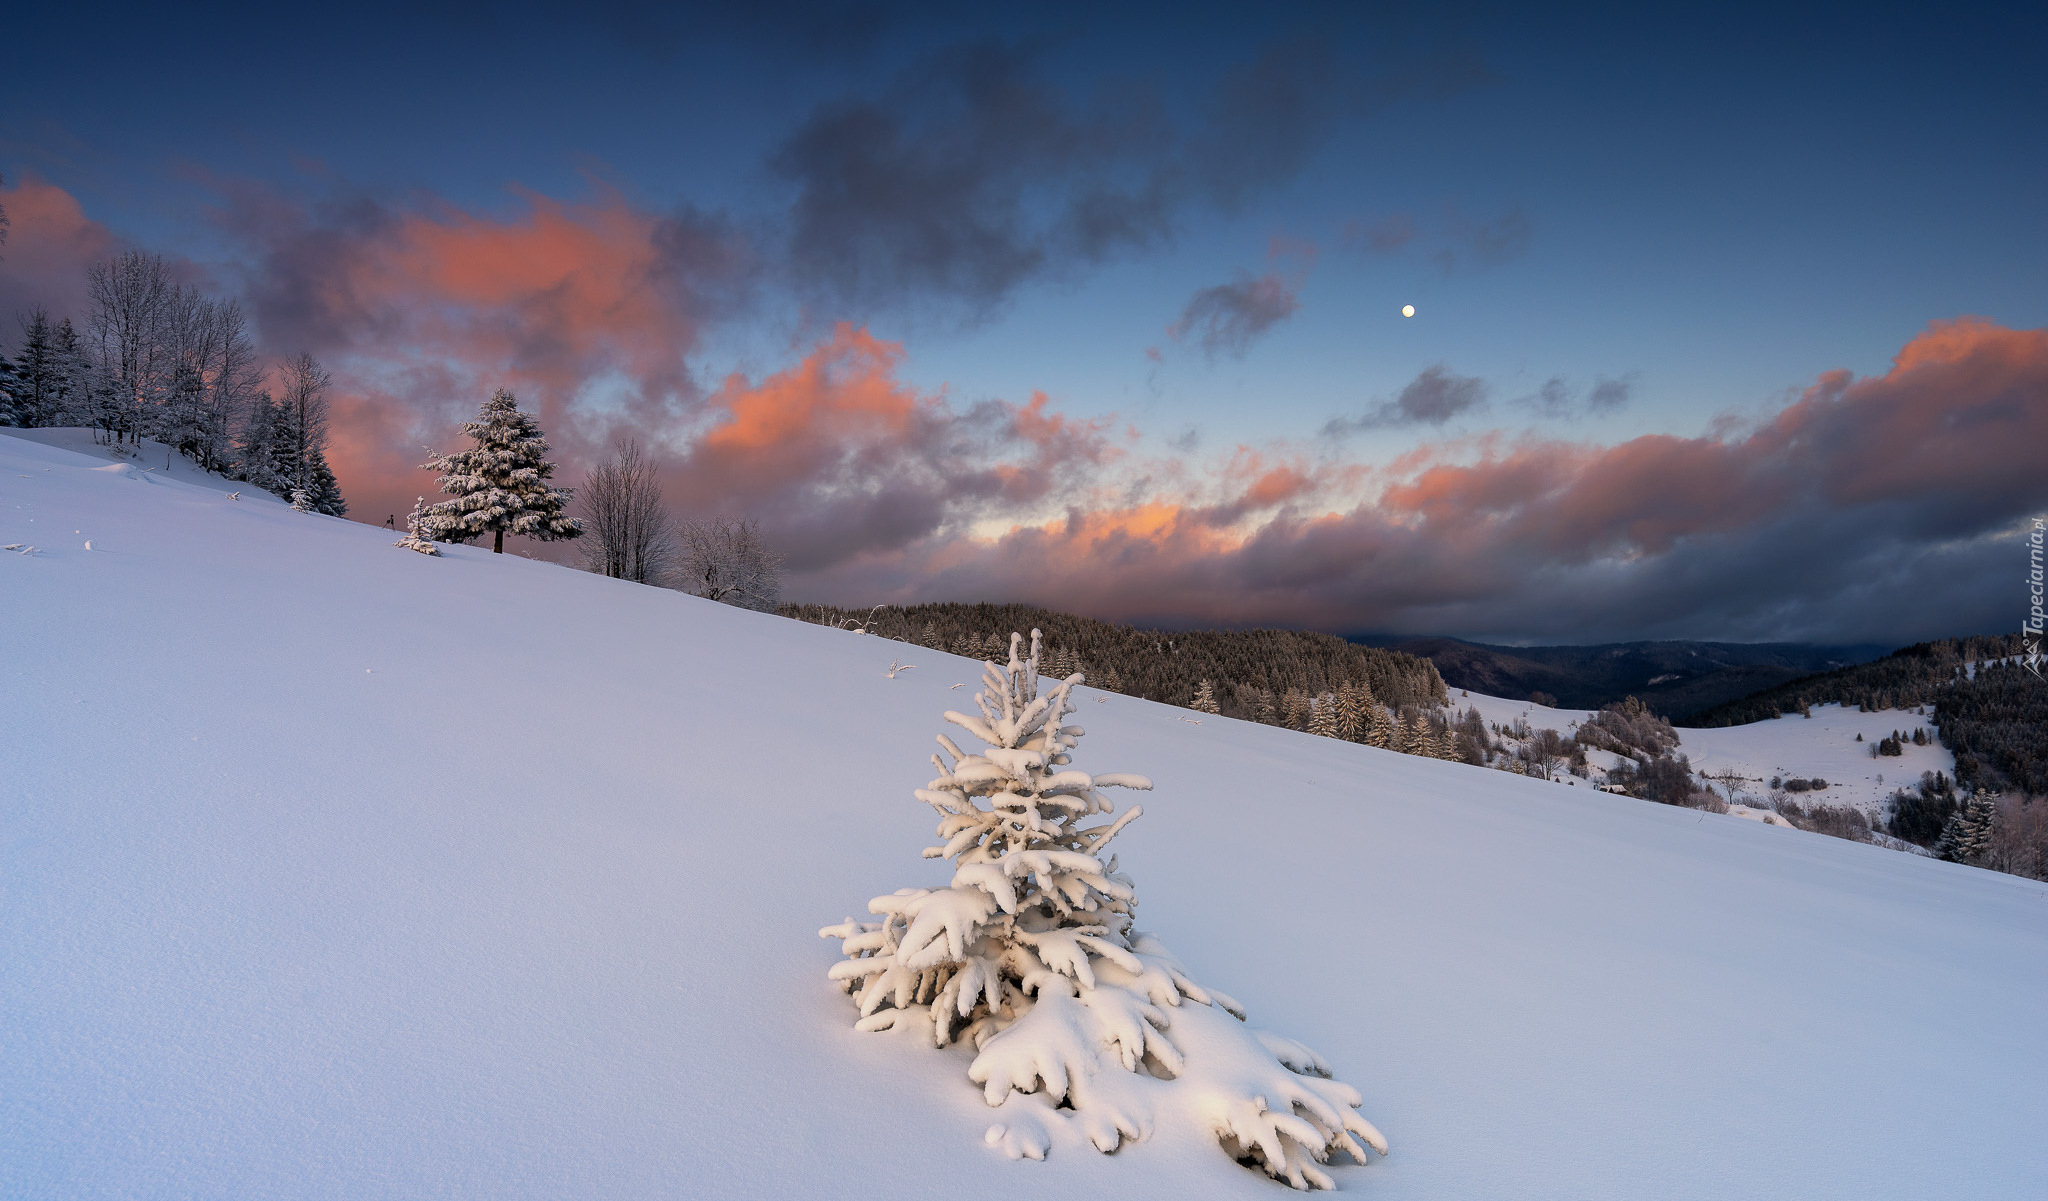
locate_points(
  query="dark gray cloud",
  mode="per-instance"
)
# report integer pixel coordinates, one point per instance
(1431, 398)
(1558, 398)
(1883, 509)
(1228, 318)
(971, 174)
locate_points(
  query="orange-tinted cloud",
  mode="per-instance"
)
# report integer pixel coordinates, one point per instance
(843, 459)
(48, 248)
(1867, 508)
(589, 311)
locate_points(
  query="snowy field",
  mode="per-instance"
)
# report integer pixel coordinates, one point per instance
(337, 871)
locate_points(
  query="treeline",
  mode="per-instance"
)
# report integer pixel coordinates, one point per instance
(1916, 675)
(154, 358)
(1273, 676)
(1997, 725)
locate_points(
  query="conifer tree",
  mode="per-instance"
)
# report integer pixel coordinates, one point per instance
(1973, 823)
(1031, 955)
(10, 387)
(322, 487)
(1350, 717)
(415, 530)
(40, 375)
(1294, 709)
(1322, 719)
(500, 484)
(1205, 699)
(1380, 728)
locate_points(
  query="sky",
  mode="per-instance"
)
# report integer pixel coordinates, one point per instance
(1728, 324)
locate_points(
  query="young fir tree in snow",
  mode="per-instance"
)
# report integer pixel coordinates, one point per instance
(1205, 699)
(1380, 728)
(415, 530)
(500, 485)
(1031, 956)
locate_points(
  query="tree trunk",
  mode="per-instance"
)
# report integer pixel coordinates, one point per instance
(498, 542)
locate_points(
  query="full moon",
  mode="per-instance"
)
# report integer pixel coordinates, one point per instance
(1407, 310)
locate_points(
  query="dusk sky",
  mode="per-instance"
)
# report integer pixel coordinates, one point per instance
(1729, 324)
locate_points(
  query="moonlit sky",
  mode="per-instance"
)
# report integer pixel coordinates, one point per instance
(1104, 311)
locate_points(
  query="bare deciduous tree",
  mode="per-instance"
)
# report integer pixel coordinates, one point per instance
(132, 299)
(725, 559)
(631, 536)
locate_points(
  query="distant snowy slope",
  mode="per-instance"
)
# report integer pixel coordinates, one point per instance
(331, 870)
(1822, 746)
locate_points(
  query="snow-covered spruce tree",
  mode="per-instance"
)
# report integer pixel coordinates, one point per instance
(323, 487)
(1322, 721)
(500, 485)
(1205, 699)
(415, 530)
(1030, 955)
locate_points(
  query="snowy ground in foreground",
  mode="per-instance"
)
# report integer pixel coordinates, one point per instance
(1823, 746)
(333, 870)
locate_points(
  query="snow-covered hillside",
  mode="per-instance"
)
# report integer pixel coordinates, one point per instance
(1822, 746)
(333, 870)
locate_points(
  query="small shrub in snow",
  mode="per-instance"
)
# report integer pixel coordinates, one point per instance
(1030, 956)
(415, 530)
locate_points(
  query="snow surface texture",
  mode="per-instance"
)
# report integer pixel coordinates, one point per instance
(1030, 955)
(332, 870)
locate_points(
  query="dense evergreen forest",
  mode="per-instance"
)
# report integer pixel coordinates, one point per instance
(1252, 673)
(1997, 725)
(1915, 675)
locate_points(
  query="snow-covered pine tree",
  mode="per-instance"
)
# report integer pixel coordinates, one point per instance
(415, 530)
(1974, 820)
(1030, 954)
(1380, 728)
(500, 485)
(1294, 709)
(41, 376)
(256, 444)
(1205, 699)
(1322, 719)
(322, 486)
(302, 500)
(1415, 738)
(1350, 718)
(11, 407)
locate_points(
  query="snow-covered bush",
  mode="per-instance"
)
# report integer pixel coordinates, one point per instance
(1030, 956)
(416, 530)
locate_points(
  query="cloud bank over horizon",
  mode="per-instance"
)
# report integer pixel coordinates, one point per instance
(1875, 508)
